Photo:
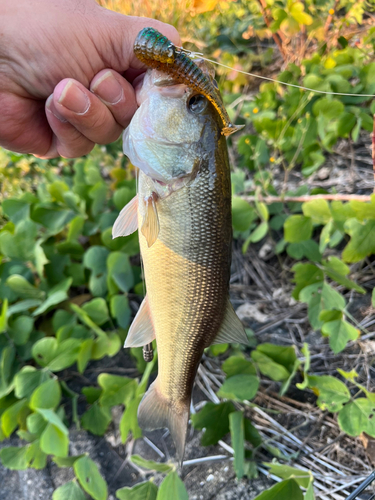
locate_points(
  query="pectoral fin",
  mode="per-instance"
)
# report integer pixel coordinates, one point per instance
(141, 331)
(127, 222)
(231, 330)
(150, 225)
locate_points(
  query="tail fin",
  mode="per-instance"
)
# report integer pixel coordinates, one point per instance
(156, 412)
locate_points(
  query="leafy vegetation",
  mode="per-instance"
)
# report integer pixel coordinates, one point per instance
(65, 284)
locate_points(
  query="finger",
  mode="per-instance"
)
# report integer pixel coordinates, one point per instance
(67, 141)
(23, 125)
(85, 111)
(117, 94)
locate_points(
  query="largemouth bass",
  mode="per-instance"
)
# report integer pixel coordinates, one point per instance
(183, 212)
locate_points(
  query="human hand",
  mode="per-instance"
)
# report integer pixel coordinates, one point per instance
(66, 70)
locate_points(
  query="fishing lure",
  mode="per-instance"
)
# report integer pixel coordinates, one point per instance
(156, 51)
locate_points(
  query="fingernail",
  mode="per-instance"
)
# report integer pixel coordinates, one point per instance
(51, 108)
(108, 88)
(71, 97)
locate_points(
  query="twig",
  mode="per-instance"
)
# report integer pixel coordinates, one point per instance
(301, 199)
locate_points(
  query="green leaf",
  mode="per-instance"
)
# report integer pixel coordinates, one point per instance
(22, 306)
(357, 417)
(95, 259)
(14, 458)
(317, 210)
(16, 210)
(75, 228)
(302, 477)
(3, 316)
(236, 365)
(129, 420)
(239, 387)
(96, 420)
(97, 310)
(66, 461)
(305, 275)
(51, 417)
(215, 419)
(27, 380)
(6, 363)
(269, 367)
(47, 395)
(35, 456)
(362, 242)
(286, 490)
(320, 296)
(285, 356)
(236, 425)
(52, 300)
(84, 354)
(98, 194)
(172, 488)
(85, 318)
(116, 390)
(251, 434)
(120, 272)
(19, 329)
(51, 216)
(44, 350)
(54, 441)
(13, 245)
(339, 332)
(143, 491)
(90, 479)
(331, 392)
(337, 270)
(297, 228)
(69, 491)
(151, 465)
(307, 248)
(66, 354)
(9, 419)
(258, 234)
(36, 424)
(24, 288)
(330, 108)
(309, 495)
(243, 214)
(373, 297)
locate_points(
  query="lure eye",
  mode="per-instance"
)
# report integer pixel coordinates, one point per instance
(197, 104)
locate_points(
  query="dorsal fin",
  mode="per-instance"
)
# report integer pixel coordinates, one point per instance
(141, 331)
(231, 330)
(127, 221)
(150, 225)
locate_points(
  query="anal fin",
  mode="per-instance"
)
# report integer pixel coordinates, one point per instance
(150, 225)
(141, 331)
(127, 221)
(231, 330)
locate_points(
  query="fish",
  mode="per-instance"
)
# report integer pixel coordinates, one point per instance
(183, 213)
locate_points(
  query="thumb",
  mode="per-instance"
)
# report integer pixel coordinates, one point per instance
(123, 32)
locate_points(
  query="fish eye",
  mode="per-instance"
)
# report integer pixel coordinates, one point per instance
(197, 103)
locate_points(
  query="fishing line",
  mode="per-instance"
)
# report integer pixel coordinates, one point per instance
(194, 55)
